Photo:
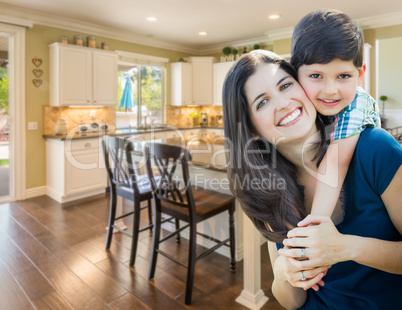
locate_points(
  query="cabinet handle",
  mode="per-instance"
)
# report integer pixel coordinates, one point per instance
(87, 144)
(94, 101)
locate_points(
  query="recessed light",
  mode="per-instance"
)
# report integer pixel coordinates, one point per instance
(203, 33)
(152, 19)
(274, 16)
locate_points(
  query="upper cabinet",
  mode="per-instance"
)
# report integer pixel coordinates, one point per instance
(202, 80)
(220, 70)
(182, 83)
(192, 81)
(82, 76)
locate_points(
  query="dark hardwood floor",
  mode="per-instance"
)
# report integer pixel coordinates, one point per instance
(53, 257)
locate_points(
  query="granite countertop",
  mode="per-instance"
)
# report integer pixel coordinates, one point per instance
(192, 146)
(123, 132)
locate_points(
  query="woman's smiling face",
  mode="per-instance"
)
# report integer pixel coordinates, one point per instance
(279, 108)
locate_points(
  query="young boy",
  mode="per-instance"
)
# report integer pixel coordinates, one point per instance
(327, 52)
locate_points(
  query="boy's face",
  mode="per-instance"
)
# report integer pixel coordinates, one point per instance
(331, 87)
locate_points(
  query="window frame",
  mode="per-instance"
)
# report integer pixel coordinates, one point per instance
(134, 59)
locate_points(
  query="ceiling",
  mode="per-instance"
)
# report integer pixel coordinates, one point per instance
(227, 22)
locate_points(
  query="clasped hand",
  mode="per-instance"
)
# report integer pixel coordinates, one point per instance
(322, 244)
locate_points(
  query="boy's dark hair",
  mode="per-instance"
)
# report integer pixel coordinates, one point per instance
(324, 35)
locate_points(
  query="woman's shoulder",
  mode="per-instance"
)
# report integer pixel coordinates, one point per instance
(375, 138)
(378, 156)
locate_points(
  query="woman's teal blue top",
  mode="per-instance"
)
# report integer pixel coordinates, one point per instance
(349, 285)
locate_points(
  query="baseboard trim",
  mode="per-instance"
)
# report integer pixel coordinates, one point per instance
(35, 192)
(59, 197)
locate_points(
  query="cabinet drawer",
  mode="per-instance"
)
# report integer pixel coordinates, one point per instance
(84, 144)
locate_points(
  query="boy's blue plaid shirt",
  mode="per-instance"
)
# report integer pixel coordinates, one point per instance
(361, 113)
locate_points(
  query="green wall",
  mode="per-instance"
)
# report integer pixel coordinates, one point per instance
(38, 40)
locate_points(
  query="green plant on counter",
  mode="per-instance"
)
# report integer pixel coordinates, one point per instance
(195, 114)
(256, 46)
(234, 51)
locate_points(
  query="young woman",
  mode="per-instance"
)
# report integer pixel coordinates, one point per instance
(276, 143)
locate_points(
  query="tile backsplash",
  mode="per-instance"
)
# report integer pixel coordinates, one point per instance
(74, 116)
(179, 116)
(175, 116)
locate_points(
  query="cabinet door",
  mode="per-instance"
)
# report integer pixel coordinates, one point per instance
(202, 80)
(181, 84)
(104, 78)
(220, 70)
(84, 167)
(75, 76)
(80, 179)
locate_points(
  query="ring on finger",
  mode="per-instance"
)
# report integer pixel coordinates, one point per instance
(303, 252)
(303, 278)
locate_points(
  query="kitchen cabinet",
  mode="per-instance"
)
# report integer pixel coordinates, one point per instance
(191, 82)
(202, 80)
(220, 70)
(74, 169)
(82, 76)
(182, 83)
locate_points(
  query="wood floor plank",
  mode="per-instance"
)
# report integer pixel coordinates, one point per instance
(102, 284)
(53, 301)
(12, 257)
(91, 251)
(75, 291)
(140, 287)
(11, 295)
(34, 283)
(128, 302)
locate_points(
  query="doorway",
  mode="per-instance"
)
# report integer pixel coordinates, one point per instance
(4, 120)
(12, 113)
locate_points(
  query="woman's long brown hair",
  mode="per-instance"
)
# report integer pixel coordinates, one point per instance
(261, 178)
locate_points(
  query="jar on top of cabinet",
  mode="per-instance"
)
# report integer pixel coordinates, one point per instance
(91, 41)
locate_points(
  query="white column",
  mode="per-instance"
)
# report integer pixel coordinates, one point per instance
(252, 296)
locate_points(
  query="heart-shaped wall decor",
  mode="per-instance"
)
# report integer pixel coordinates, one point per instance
(37, 82)
(37, 61)
(37, 72)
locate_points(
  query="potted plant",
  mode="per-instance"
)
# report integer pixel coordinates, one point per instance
(195, 116)
(226, 50)
(382, 116)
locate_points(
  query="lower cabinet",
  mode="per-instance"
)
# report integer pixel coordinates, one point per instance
(74, 169)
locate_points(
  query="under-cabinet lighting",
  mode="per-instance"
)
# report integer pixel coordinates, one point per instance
(152, 19)
(85, 106)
